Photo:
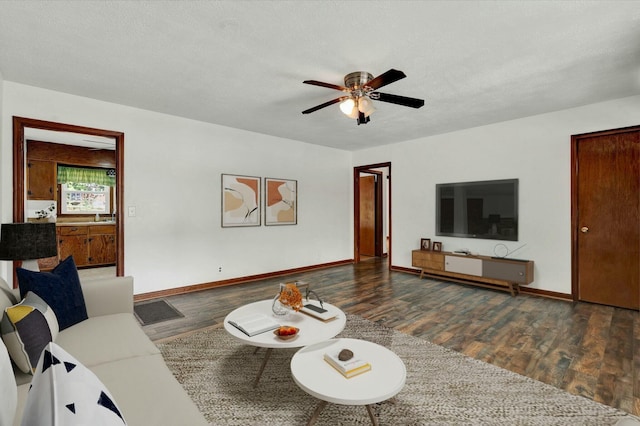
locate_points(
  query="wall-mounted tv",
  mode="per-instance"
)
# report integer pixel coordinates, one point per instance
(487, 209)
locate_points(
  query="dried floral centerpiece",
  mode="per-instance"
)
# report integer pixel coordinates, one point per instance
(289, 298)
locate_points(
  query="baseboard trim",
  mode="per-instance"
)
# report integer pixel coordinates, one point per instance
(403, 269)
(234, 281)
(546, 293)
(523, 289)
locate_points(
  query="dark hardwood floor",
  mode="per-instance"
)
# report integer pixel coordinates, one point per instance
(585, 349)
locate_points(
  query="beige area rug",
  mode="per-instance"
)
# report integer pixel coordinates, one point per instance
(443, 387)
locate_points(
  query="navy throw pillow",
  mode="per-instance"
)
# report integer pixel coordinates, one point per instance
(60, 289)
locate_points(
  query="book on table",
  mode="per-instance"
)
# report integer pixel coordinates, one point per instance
(349, 368)
(254, 324)
(316, 310)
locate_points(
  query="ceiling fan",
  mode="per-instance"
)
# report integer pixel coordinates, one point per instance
(361, 86)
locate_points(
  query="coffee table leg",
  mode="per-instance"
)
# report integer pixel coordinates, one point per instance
(374, 421)
(316, 413)
(264, 362)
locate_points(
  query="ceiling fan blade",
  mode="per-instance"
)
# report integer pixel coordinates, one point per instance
(395, 99)
(326, 104)
(327, 85)
(385, 78)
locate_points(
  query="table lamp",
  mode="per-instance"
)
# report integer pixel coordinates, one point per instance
(28, 242)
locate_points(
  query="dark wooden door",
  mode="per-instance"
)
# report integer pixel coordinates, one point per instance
(606, 217)
(368, 215)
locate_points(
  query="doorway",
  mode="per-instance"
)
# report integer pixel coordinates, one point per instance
(605, 217)
(21, 125)
(372, 211)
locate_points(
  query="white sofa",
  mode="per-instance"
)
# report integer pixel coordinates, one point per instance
(114, 347)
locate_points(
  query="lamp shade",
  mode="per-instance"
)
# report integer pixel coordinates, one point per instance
(347, 107)
(365, 106)
(25, 241)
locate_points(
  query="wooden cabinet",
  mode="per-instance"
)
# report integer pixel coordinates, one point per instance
(484, 271)
(41, 180)
(427, 260)
(72, 241)
(515, 271)
(463, 265)
(102, 245)
(48, 263)
(90, 245)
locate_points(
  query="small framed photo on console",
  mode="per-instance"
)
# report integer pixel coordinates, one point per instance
(425, 243)
(437, 246)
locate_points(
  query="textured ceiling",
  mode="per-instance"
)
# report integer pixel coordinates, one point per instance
(241, 63)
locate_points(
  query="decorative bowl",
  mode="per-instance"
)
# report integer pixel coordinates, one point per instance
(286, 332)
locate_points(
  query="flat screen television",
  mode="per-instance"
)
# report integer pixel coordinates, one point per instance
(486, 210)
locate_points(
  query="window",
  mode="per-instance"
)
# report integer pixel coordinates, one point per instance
(85, 198)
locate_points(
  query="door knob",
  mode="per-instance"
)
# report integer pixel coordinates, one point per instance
(584, 229)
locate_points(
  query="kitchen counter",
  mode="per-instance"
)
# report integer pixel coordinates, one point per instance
(102, 222)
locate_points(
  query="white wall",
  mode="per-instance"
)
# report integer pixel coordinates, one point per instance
(172, 177)
(536, 150)
(5, 151)
(171, 161)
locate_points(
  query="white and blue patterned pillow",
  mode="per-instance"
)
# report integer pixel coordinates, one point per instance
(26, 329)
(64, 392)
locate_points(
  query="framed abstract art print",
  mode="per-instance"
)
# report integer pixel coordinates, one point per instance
(240, 200)
(280, 201)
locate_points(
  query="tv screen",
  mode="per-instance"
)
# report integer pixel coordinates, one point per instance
(487, 209)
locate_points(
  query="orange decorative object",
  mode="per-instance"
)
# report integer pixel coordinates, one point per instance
(286, 332)
(290, 296)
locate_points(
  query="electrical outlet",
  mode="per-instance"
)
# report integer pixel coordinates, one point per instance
(132, 211)
(220, 269)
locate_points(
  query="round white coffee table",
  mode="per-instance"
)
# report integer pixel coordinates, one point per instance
(316, 377)
(312, 330)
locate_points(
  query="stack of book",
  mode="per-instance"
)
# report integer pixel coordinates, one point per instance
(349, 368)
(315, 310)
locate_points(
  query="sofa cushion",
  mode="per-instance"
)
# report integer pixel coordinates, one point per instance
(64, 392)
(60, 289)
(148, 393)
(8, 390)
(105, 339)
(26, 329)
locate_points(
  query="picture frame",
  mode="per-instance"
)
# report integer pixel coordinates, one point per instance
(240, 201)
(425, 244)
(437, 246)
(280, 202)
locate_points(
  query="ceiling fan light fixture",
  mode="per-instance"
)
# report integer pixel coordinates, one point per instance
(365, 106)
(348, 108)
(360, 90)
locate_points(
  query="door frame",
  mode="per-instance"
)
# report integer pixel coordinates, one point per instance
(356, 207)
(19, 125)
(574, 200)
(377, 244)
